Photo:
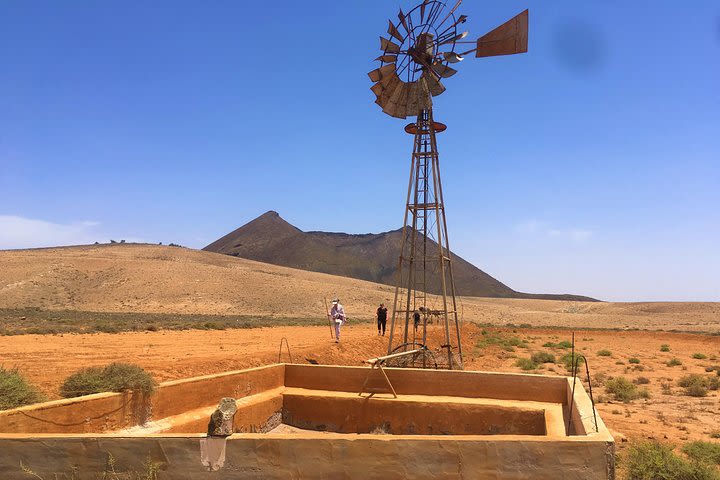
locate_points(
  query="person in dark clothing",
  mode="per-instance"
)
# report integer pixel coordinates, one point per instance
(416, 319)
(381, 318)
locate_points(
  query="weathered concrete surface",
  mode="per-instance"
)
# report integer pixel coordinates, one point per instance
(452, 400)
(91, 413)
(269, 456)
(344, 412)
(501, 386)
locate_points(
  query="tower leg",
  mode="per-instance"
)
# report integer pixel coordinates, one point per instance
(424, 281)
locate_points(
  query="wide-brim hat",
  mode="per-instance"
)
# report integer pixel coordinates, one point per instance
(335, 301)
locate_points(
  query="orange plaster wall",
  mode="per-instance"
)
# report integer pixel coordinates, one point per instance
(362, 415)
(113, 411)
(179, 396)
(442, 382)
(93, 413)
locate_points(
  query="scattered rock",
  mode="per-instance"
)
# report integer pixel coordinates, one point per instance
(221, 421)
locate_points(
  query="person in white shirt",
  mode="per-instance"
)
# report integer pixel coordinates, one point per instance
(337, 313)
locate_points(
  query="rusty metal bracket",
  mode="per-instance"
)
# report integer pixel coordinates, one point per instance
(287, 345)
(376, 364)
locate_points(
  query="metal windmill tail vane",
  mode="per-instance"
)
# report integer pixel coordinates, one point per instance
(416, 56)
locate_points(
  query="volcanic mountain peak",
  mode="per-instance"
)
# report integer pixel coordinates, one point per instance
(368, 256)
(265, 231)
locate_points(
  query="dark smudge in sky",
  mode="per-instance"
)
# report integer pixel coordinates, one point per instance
(579, 46)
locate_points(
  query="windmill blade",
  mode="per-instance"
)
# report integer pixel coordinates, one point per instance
(452, 57)
(443, 70)
(382, 72)
(401, 17)
(411, 107)
(509, 38)
(389, 84)
(392, 96)
(433, 84)
(396, 105)
(424, 97)
(377, 89)
(387, 58)
(422, 10)
(393, 31)
(389, 47)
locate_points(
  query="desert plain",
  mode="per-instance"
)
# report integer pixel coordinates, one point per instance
(180, 312)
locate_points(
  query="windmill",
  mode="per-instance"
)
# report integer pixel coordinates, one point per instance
(416, 56)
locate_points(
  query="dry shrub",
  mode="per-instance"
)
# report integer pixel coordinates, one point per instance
(703, 451)
(116, 377)
(654, 461)
(543, 357)
(697, 385)
(623, 390)
(568, 359)
(526, 364)
(15, 391)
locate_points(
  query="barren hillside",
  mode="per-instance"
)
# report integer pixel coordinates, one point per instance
(159, 279)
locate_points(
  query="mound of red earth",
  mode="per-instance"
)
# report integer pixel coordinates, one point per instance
(371, 256)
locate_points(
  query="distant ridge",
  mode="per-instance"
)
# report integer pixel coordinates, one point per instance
(271, 239)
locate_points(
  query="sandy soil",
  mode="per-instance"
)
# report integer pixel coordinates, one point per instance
(159, 279)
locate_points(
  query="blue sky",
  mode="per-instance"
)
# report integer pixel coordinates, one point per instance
(589, 165)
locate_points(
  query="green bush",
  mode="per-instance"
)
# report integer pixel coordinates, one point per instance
(696, 385)
(563, 344)
(116, 377)
(526, 364)
(673, 362)
(703, 451)
(699, 356)
(543, 357)
(653, 461)
(504, 342)
(604, 353)
(567, 359)
(664, 347)
(634, 360)
(15, 391)
(623, 390)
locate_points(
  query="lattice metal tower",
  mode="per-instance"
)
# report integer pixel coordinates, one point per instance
(404, 84)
